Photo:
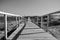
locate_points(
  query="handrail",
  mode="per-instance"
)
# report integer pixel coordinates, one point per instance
(9, 14)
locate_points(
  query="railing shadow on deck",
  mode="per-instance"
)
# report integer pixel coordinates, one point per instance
(19, 33)
(32, 33)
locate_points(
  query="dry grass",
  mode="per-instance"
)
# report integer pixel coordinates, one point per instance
(10, 25)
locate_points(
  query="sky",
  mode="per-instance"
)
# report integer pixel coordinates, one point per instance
(30, 7)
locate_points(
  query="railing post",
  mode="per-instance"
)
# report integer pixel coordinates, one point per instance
(37, 20)
(48, 20)
(5, 24)
(41, 22)
(18, 21)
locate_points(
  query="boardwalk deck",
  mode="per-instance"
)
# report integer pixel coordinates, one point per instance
(33, 32)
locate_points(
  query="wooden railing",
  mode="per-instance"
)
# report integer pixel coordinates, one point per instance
(5, 16)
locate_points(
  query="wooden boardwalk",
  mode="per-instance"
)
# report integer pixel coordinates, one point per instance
(33, 32)
(30, 32)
